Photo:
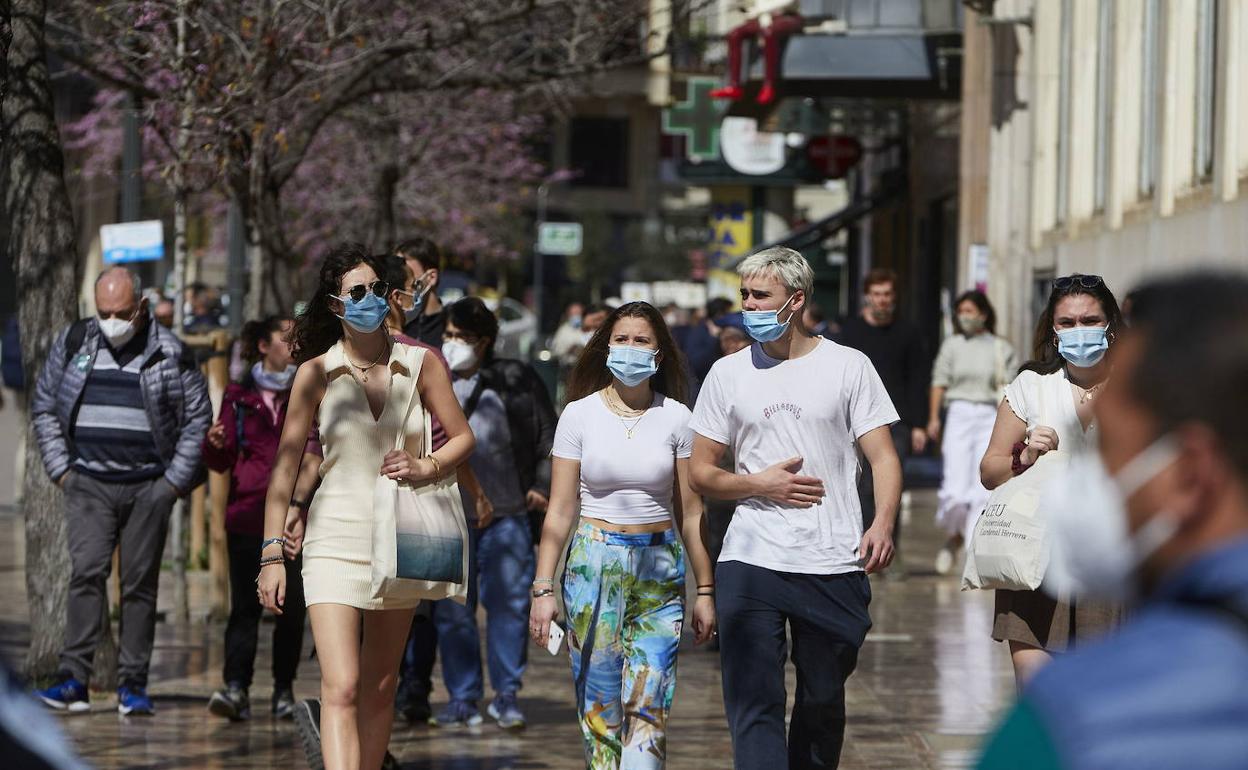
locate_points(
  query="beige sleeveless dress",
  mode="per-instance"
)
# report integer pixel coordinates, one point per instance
(337, 550)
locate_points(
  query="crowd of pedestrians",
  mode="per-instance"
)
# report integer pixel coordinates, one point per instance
(761, 451)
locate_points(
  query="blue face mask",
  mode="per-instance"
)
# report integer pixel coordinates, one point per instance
(366, 315)
(1083, 346)
(764, 325)
(630, 365)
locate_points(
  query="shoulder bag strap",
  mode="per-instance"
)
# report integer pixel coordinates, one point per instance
(414, 358)
(474, 397)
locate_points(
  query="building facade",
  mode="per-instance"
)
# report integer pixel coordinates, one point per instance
(1099, 136)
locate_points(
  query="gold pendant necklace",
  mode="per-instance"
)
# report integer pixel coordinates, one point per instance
(364, 369)
(619, 410)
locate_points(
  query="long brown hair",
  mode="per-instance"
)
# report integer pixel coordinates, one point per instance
(591, 375)
(1045, 358)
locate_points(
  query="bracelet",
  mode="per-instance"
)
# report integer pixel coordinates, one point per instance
(273, 541)
(540, 592)
(266, 561)
(302, 505)
(706, 593)
(544, 581)
(1016, 454)
(437, 466)
(706, 585)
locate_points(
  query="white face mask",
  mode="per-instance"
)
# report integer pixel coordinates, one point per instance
(459, 355)
(1094, 554)
(118, 331)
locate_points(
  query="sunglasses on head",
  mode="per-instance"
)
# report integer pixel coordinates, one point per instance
(358, 292)
(1084, 281)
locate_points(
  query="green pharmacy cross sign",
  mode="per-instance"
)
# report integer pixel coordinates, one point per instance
(697, 119)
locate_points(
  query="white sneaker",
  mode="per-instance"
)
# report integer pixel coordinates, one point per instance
(944, 561)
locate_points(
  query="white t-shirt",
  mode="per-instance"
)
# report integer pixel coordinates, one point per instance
(815, 407)
(625, 480)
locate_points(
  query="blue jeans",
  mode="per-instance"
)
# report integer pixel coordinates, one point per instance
(501, 565)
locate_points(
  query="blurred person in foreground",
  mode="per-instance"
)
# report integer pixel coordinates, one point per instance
(119, 411)
(1160, 515)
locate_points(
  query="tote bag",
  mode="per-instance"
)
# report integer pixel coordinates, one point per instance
(1009, 548)
(420, 535)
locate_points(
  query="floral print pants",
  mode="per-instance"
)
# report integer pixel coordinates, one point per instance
(624, 596)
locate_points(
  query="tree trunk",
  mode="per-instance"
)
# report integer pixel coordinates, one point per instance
(42, 242)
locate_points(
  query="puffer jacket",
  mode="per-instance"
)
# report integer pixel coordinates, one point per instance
(175, 397)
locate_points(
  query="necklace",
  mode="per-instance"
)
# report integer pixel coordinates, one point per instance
(364, 369)
(620, 410)
(1087, 394)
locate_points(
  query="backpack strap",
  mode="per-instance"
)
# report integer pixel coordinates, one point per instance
(73, 340)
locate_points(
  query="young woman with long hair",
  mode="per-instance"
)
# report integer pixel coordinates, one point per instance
(972, 367)
(1048, 407)
(622, 447)
(357, 382)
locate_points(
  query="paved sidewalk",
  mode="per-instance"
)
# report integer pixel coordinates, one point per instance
(929, 684)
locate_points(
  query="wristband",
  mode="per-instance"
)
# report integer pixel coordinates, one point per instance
(273, 541)
(1016, 453)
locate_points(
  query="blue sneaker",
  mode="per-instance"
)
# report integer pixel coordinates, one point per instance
(68, 694)
(506, 711)
(132, 701)
(458, 713)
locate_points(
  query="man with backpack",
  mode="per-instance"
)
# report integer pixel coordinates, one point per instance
(120, 411)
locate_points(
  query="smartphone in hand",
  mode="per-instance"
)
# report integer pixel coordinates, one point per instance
(556, 639)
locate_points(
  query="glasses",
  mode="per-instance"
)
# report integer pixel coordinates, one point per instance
(358, 291)
(1084, 281)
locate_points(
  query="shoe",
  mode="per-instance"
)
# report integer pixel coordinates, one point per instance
(766, 95)
(414, 707)
(944, 561)
(506, 711)
(68, 694)
(308, 725)
(458, 713)
(389, 762)
(728, 92)
(232, 703)
(283, 703)
(132, 701)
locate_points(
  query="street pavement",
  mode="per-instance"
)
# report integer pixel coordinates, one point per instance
(929, 685)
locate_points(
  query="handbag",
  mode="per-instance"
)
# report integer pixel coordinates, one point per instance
(420, 535)
(1009, 547)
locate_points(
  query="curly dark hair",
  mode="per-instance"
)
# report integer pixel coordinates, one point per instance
(255, 332)
(591, 375)
(1045, 358)
(981, 303)
(317, 328)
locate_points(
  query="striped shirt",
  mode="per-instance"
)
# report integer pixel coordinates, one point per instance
(112, 435)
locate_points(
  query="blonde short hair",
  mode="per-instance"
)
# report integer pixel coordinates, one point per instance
(785, 264)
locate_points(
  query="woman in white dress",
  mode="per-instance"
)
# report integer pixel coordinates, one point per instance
(971, 368)
(1047, 407)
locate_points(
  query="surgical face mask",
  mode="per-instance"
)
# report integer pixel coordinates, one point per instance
(118, 331)
(1083, 346)
(418, 303)
(267, 380)
(764, 325)
(459, 355)
(971, 324)
(574, 321)
(630, 365)
(1093, 552)
(366, 315)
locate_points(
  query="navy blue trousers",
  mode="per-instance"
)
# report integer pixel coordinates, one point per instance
(827, 621)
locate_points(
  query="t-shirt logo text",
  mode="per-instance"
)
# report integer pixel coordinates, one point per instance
(794, 409)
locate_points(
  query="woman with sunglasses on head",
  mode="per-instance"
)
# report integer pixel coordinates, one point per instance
(357, 382)
(622, 447)
(1049, 407)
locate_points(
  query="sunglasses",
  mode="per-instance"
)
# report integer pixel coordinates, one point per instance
(359, 291)
(1084, 281)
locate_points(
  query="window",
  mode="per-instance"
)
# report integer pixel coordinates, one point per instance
(1104, 98)
(598, 152)
(1206, 74)
(1148, 111)
(1065, 62)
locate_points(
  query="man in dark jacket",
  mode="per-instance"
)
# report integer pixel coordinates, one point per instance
(512, 418)
(119, 411)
